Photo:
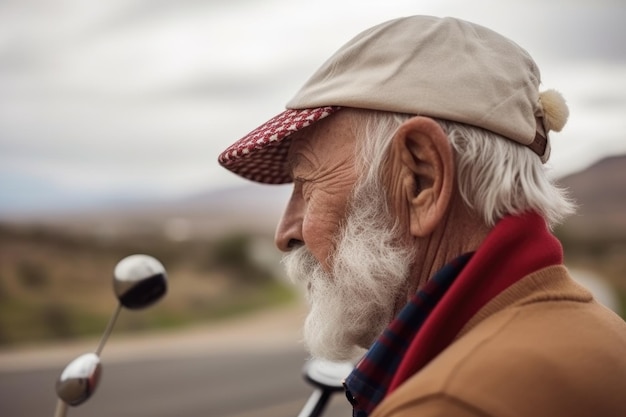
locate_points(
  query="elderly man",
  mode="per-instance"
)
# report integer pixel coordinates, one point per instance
(420, 225)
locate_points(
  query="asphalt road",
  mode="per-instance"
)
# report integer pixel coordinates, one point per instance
(226, 385)
(251, 368)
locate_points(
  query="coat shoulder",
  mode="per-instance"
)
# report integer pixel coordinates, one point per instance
(555, 356)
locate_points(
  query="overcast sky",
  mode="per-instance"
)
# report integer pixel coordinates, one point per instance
(123, 96)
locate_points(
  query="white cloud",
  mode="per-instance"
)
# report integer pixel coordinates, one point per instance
(122, 94)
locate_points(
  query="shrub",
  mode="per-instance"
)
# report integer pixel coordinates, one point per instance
(32, 274)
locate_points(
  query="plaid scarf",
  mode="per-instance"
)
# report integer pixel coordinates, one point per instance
(373, 375)
(516, 247)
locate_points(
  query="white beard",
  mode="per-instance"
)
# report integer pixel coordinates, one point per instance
(353, 304)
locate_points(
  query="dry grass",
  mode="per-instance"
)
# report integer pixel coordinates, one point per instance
(54, 285)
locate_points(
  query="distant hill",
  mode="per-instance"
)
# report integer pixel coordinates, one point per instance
(251, 208)
(595, 238)
(600, 192)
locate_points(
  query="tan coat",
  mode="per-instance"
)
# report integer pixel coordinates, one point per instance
(543, 347)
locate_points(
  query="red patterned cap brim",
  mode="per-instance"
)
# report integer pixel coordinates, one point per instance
(261, 155)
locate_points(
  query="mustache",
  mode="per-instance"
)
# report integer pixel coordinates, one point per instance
(300, 265)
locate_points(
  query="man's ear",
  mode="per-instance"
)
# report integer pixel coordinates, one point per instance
(427, 159)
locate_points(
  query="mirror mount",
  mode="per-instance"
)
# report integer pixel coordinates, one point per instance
(138, 282)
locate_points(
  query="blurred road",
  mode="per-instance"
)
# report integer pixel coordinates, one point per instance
(235, 385)
(238, 369)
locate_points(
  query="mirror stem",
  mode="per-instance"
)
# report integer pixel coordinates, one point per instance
(61, 410)
(109, 329)
(316, 403)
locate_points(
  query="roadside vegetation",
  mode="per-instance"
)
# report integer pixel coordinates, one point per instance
(602, 251)
(55, 285)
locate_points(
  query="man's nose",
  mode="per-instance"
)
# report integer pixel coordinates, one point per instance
(289, 231)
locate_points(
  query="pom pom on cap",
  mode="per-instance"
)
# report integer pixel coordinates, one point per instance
(555, 111)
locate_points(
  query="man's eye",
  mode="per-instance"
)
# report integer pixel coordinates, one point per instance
(306, 191)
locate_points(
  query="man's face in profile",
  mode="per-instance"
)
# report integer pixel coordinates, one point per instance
(341, 244)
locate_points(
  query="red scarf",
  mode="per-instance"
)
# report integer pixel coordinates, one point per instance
(516, 247)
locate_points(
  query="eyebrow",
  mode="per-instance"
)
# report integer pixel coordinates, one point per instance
(293, 159)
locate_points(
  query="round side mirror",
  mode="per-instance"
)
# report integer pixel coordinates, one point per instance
(327, 375)
(79, 379)
(139, 281)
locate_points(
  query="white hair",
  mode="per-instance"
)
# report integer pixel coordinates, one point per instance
(495, 176)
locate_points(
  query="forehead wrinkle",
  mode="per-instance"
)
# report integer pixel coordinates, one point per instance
(297, 156)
